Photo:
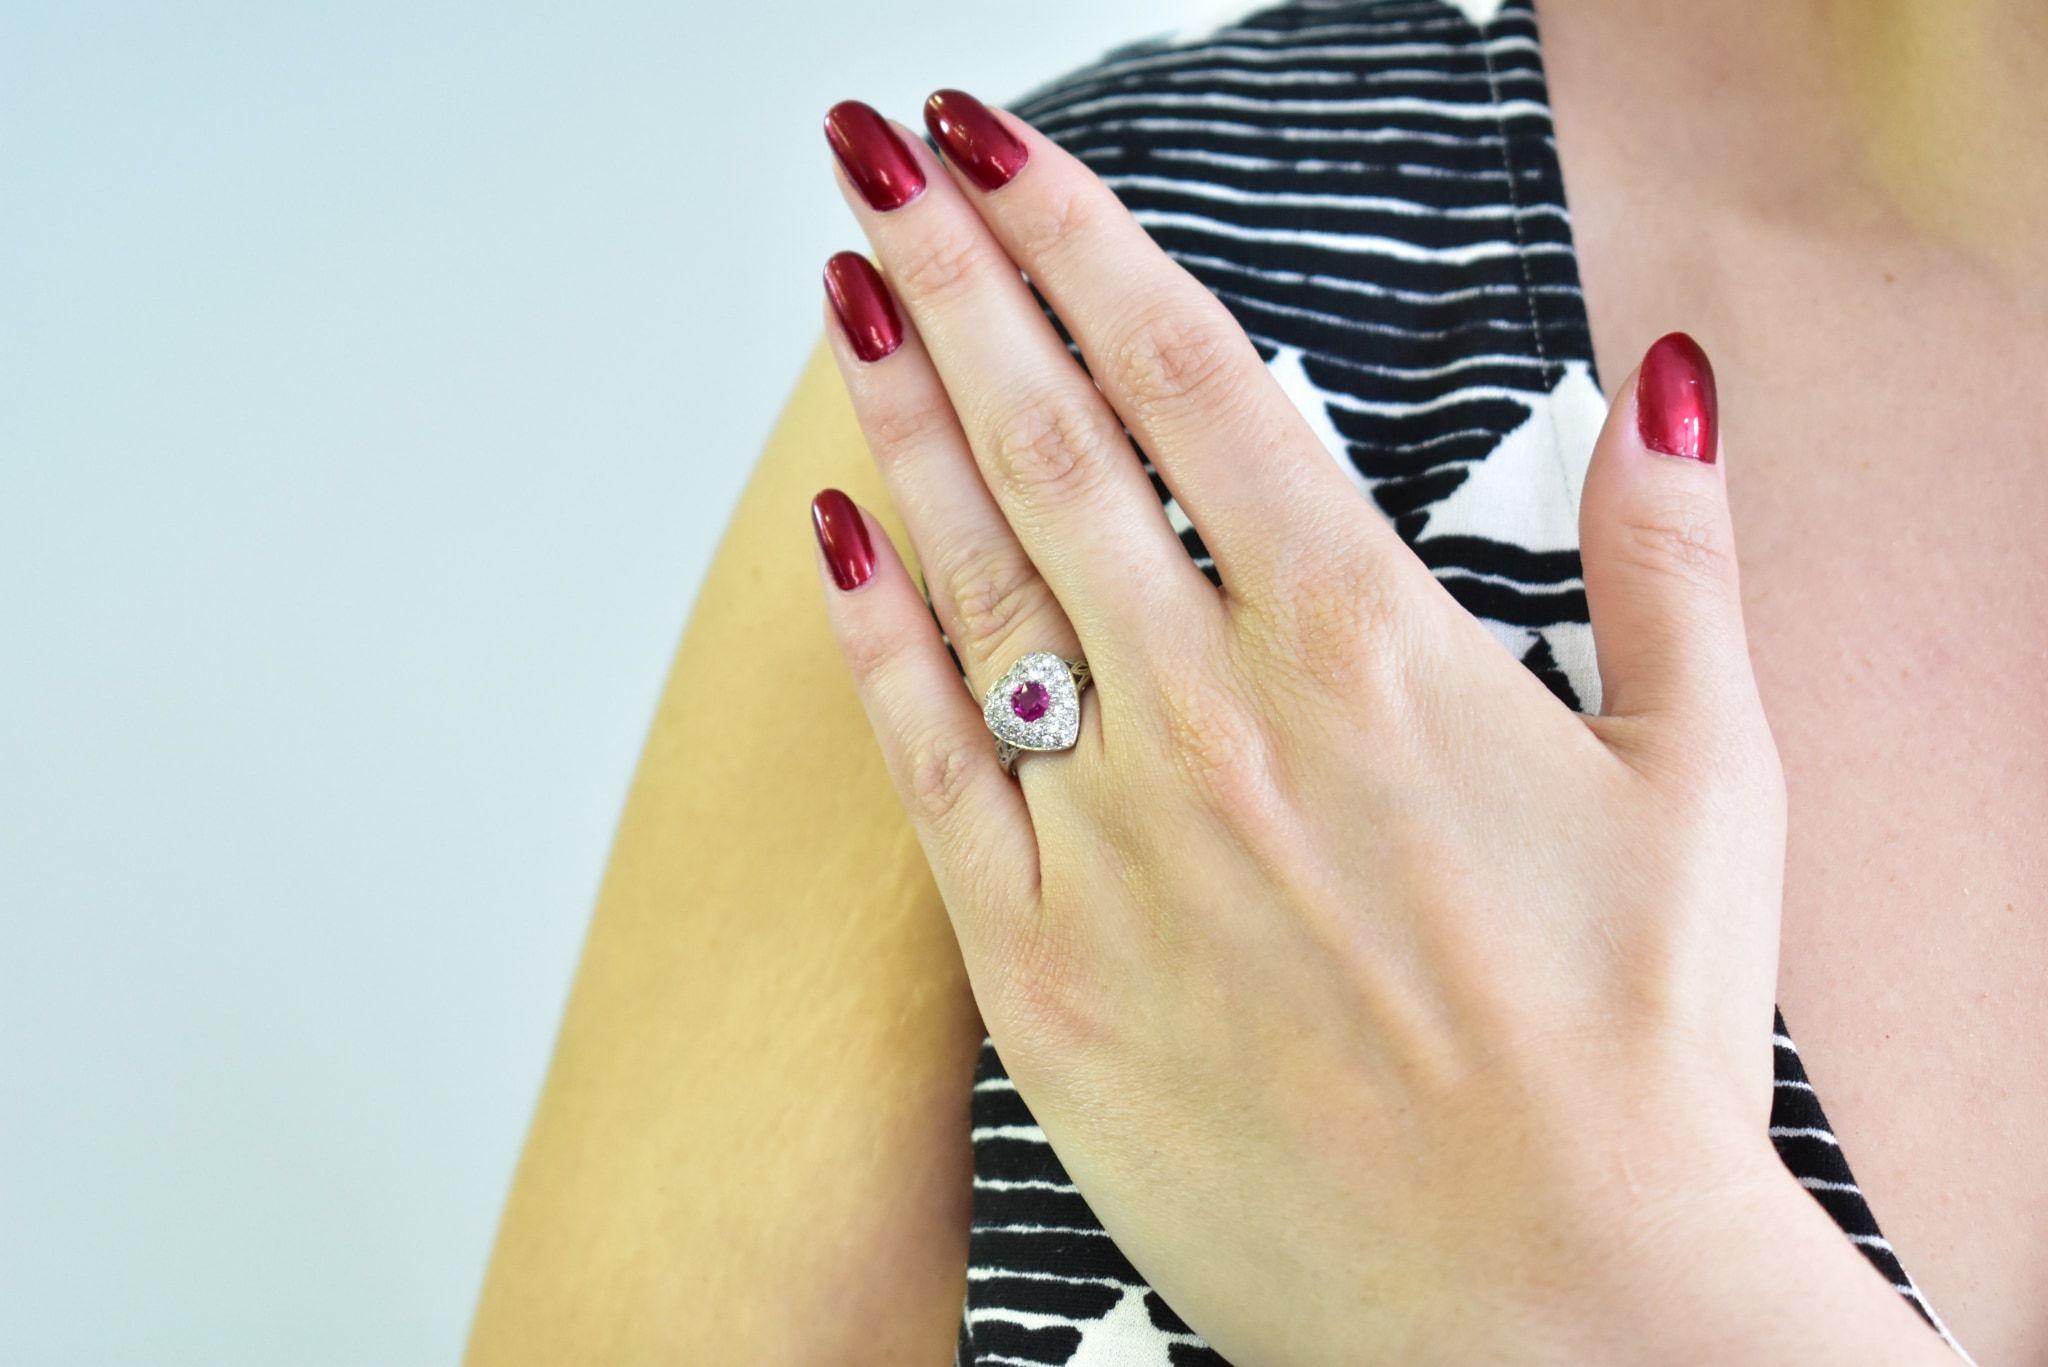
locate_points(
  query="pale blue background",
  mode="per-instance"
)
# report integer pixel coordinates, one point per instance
(374, 382)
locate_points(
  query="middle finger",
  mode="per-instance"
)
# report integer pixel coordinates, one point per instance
(988, 595)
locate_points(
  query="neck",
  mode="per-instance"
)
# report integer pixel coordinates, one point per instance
(1930, 116)
(1949, 102)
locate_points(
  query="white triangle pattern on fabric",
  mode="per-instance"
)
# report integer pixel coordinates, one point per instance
(1525, 492)
(1527, 489)
(1127, 1337)
(1480, 12)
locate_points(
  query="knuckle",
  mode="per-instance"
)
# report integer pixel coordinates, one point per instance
(904, 428)
(1342, 617)
(938, 769)
(1052, 221)
(939, 264)
(1719, 767)
(991, 591)
(1682, 540)
(1741, 762)
(1039, 991)
(1172, 359)
(1215, 742)
(870, 656)
(1050, 449)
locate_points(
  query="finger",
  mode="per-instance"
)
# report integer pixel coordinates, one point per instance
(1659, 548)
(987, 593)
(969, 816)
(1049, 449)
(1169, 357)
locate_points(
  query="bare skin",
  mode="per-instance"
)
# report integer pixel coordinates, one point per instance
(762, 1075)
(1883, 307)
(747, 1023)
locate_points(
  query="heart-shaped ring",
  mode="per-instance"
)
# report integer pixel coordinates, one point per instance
(1036, 706)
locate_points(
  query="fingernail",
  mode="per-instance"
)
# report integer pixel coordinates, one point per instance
(843, 537)
(974, 139)
(876, 161)
(1676, 411)
(866, 313)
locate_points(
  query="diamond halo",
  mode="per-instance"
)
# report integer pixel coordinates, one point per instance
(1037, 705)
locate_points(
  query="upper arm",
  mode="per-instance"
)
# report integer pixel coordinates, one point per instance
(753, 1134)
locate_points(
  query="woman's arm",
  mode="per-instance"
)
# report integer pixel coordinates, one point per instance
(752, 1145)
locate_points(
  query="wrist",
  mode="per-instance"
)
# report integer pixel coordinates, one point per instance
(1731, 1261)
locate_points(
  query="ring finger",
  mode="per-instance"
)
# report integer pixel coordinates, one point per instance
(990, 599)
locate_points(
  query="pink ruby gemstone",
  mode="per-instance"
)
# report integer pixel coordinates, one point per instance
(1030, 701)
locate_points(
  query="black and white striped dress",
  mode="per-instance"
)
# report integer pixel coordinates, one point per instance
(1372, 186)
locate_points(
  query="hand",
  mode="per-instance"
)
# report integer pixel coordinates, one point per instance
(1382, 1007)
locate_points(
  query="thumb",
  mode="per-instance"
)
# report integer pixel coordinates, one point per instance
(1659, 549)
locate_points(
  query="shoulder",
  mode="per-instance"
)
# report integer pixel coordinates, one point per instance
(767, 941)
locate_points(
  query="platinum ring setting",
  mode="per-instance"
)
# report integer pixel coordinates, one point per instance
(1035, 706)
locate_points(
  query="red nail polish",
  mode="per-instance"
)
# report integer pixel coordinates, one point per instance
(876, 161)
(1676, 412)
(866, 312)
(974, 139)
(843, 537)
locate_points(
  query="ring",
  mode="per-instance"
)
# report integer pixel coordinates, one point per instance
(1036, 706)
